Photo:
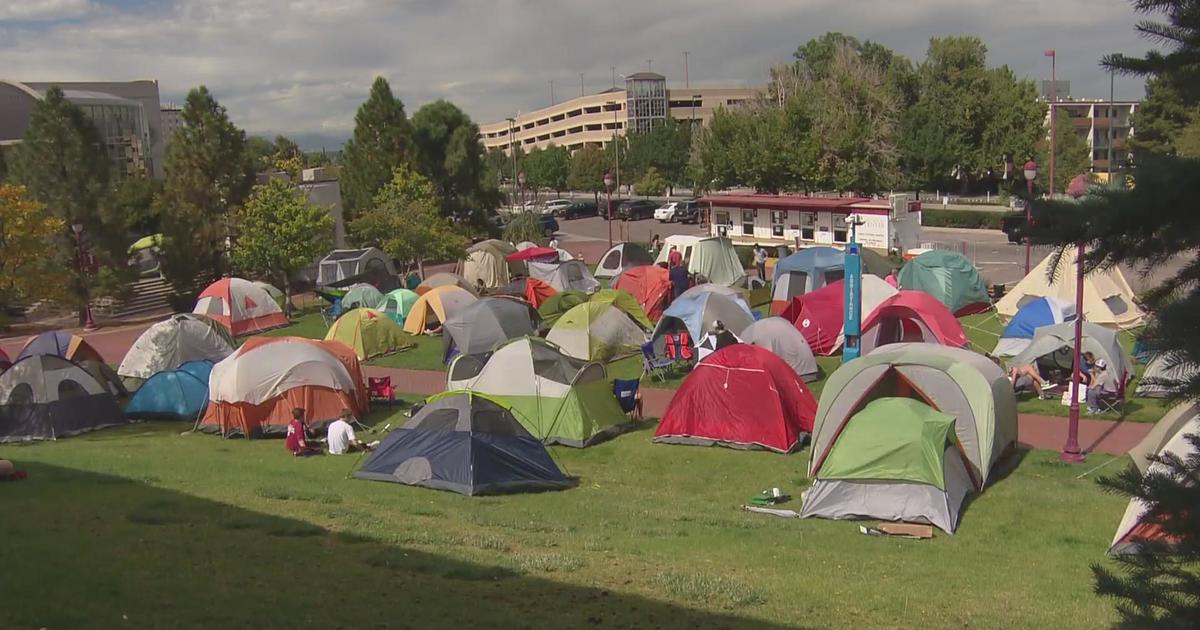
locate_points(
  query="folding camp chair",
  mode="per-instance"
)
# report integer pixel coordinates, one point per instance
(1112, 401)
(653, 365)
(670, 350)
(381, 388)
(685, 347)
(626, 391)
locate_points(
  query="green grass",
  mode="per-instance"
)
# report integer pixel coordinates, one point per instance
(146, 526)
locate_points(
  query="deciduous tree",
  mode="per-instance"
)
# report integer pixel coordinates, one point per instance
(651, 184)
(279, 232)
(548, 168)
(406, 222)
(381, 143)
(1072, 155)
(588, 167)
(32, 264)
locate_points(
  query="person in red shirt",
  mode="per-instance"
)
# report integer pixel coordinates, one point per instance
(297, 439)
(674, 257)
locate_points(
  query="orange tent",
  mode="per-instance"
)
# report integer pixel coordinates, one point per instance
(649, 285)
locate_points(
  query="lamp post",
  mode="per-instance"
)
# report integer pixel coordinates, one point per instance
(1053, 116)
(88, 322)
(1071, 453)
(521, 183)
(853, 280)
(1030, 175)
(608, 186)
(512, 151)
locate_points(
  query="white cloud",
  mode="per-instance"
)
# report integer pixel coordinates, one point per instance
(303, 66)
(34, 10)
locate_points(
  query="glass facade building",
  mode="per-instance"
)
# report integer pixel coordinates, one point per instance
(123, 127)
(645, 101)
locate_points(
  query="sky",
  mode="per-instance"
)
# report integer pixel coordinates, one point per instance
(302, 67)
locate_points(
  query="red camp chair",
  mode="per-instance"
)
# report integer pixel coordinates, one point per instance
(381, 387)
(685, 347)
(669, 348)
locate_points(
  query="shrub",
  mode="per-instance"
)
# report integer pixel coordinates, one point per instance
(970, 219)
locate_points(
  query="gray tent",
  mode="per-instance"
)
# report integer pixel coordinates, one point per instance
(783, 339)
(44, 397)
(486, 323)
(696, 313)
(565, 276)
(621, 257)
(1052, 346)
(342, 267)
(1165, 373)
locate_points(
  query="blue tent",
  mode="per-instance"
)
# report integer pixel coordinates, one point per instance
(465, 443)
(59, 343)
(1037, 312)
(696, 313)
(180, 394)
(805, 271)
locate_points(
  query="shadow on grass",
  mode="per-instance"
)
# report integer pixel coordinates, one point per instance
(92, 550)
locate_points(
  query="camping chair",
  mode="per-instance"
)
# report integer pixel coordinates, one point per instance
(669, 348)
(653, 365)
(331, 314)
(685, 347)
(626, 391)
(381, 388)
(1112, 401)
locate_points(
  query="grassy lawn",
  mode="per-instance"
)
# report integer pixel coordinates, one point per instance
(145, 526)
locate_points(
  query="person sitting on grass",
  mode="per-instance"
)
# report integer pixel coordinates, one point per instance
(1025, 378)
(297, 439)
(341, 439)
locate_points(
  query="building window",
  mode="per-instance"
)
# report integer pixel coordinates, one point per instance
(840, 234)
(808, 225)
(778, 218)
(748, 222)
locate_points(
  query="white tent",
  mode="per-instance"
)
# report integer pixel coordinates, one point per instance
(682, 242)
(344, 264)
(619, 258)
(1164, 373)
(564, 276)
(1107, 298)
(169, 344)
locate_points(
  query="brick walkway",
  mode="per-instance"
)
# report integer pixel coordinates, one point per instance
(1044, 432)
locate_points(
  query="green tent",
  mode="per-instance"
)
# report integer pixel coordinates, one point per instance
(715, 259)
(949, 277)
(898, 439)
(361, 296)
(596, 331)
(557, 398)
(368, 332)
(627, 303)
(396, 304)
(559, 303)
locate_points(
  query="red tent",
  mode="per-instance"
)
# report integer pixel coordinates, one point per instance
(741, 396)
(537, 291)
(533, 253)
(4, 360)
(911, 316)
(818, 316)
(649, 285)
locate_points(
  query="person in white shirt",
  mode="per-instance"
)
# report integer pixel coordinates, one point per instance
(553, 243)
(341, 439)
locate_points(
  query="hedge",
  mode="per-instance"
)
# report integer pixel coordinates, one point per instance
(970, 219)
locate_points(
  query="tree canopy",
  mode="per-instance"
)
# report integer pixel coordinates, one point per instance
(32, 265)
(405, 221)
(548, 167)
(279, 232)
(1072, 156)
(450, 154)
(382, 142)
(664, 148)
(588, 167)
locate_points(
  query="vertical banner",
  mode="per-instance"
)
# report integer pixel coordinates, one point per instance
(853, 307)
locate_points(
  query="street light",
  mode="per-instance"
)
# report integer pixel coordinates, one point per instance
(608, 186)
(521, 183)
(1030, 175)
(1053, 116)
(1071, 453)
(88, 322)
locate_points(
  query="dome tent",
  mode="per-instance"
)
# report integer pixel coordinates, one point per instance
(596, 331)
(559, 399)
(270, 290)
(805, 271)
(368, 332)
(716, 260)
(486, 261)
(1053, 346)
(954, 381)
(445, 279)
(564, 276)
(240, 306)
(531, 290)
(649, 285)
(820, 315)
(894, 460)
(741, 396)
(343, 267)
(949, 277)
(361, 296)
(626, 303)
(911, 316)
(179, 394)
(620, 257)
(485, 324)
(784, 341)
(59, 343)
(465, 443)
(171, 343)
(1164, 374)
(696, 314)
(397, 304)
(1107, 298)
(559, 303)
(1035, 313)
(46, 397)
(435, 306)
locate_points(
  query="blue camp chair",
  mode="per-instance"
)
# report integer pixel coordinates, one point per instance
(331, 314)
(626, 392)
(653, 365)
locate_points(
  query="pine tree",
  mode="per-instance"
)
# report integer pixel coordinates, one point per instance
(1146, 226)
(209, 176)
(382, 142)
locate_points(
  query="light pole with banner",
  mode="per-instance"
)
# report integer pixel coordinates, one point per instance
(1030, 175)
(608, 186)
(852, 323)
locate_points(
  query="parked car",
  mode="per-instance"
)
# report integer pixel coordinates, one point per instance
(682, 211)
(634, 210)
(554, 206)
(549, 225)
(578, 209)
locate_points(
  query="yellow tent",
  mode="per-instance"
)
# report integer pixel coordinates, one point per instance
(1107, 298)
(368, 332)
(434, 307)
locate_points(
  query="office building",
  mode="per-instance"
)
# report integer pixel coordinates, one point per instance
(125, 113)
(1092, 120)
(594, 119)
(170, 119)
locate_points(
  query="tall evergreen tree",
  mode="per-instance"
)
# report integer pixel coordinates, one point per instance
(63, 164)
(209, 176)
(450, 154)
(381, 143)
(1146, 226)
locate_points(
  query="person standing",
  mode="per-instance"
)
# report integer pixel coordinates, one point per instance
(760, 261)
(674, 257)
(679, 280)
(655, 245)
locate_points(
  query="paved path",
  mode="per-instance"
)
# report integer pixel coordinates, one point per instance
(1045, 432)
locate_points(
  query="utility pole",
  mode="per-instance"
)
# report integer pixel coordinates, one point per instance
(686, 82)
(649, 67)
(512, 150)
(551, 92)
(581, 84)
(1053, 118)
(614, 72)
